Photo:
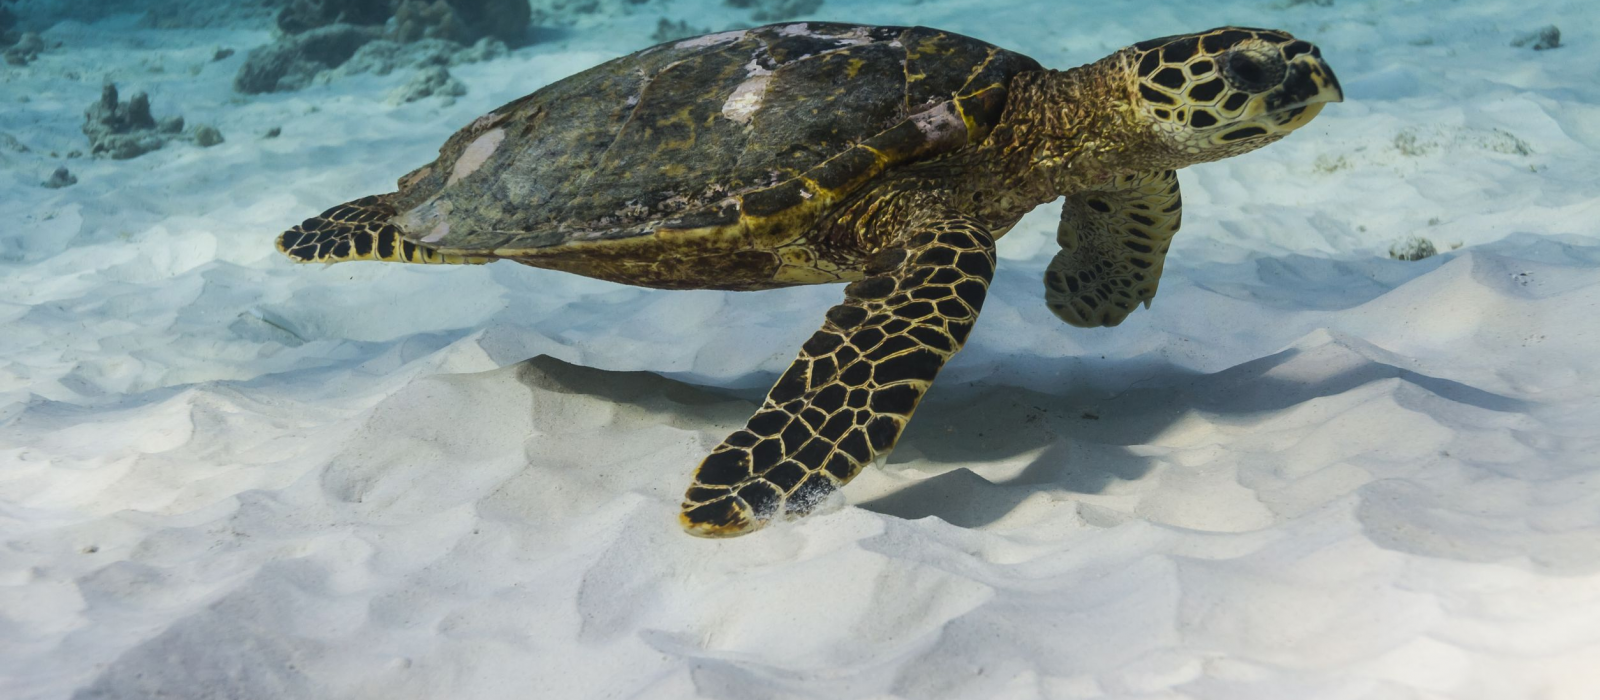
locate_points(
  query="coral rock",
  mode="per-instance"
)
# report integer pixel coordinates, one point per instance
(121, 129)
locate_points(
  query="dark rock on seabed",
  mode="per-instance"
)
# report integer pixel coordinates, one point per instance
(27, 48)
(377, 36)
(60, 178)
(299, 16)
(1544, 39)
(292, 62)
(461, 21)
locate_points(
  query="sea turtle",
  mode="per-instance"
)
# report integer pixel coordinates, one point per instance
(890, 158)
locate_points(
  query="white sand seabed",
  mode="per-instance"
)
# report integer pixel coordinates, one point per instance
(1310, 471)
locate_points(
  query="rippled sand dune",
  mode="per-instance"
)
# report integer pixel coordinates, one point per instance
(1311, 470)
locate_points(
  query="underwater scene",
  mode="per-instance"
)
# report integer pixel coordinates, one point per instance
(570, 348)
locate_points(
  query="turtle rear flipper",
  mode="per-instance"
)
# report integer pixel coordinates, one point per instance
(360, 230)
(844, 401)
(1113, 247)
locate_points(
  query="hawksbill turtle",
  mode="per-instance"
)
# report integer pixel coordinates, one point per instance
(889, 158)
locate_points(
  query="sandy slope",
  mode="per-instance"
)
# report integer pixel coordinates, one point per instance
(1309, 471)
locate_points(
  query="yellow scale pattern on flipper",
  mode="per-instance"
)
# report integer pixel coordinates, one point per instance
(360, 230)
(853, 387)
(1113, 247)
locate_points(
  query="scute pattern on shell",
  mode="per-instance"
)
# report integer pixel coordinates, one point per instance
(686, 135)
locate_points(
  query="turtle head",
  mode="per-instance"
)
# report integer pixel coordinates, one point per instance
(1226, 91)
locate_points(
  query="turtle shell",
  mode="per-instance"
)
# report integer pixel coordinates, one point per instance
(743, 133)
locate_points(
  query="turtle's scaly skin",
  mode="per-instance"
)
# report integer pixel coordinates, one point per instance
(1113, 248)
(810, 153)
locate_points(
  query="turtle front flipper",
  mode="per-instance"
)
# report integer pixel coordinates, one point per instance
(853, 388)
(360, 230)
(1113, 246)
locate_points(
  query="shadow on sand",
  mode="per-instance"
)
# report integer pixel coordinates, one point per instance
(1080, 440)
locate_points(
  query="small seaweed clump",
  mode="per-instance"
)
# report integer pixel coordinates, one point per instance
(1413, 249)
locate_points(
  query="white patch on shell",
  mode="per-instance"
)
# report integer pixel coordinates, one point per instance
(855, 36)
(438, 232)
(430, 217)
(712, 39)
(475, 154)
(745, 101)
(941, 123)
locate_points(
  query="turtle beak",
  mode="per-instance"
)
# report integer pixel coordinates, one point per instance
(1312, 80)
(1309, 81)
(1308, 86)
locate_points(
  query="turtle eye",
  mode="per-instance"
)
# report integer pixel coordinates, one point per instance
(1251, 71)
